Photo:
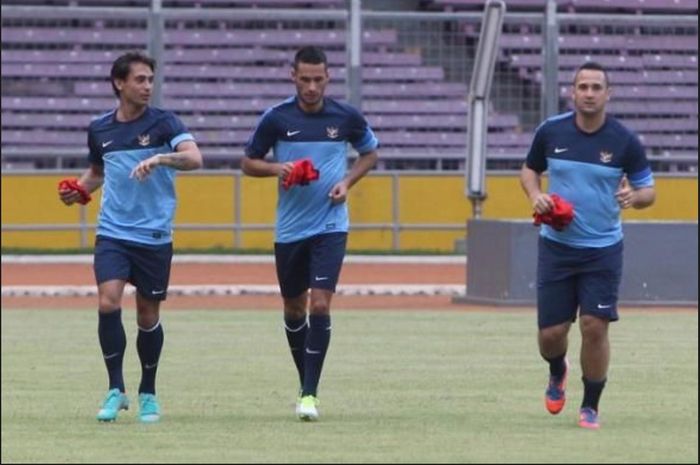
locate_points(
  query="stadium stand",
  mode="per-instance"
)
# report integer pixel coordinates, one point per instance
(653, 68)
(220, 74)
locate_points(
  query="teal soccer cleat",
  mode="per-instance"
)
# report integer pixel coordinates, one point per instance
(113, 403)
(149, 410)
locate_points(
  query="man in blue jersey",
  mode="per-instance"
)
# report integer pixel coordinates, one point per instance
(312, 220)
(135, 151)
(600, 167)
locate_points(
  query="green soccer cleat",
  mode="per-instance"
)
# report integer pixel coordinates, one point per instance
(113, 403)
(149, 410)
(306, 410)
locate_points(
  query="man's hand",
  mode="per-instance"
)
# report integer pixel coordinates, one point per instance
(542, 203)
(285, 169)
(144, 168)
(302, 173)
(625, 194)
(70, 192)
(68, 196)
(339, 193)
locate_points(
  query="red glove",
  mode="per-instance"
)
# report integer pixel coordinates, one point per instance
(302, 173)
(72, 184)
(559, 216)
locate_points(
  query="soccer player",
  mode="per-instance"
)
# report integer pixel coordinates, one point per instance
(600, 167)
(312, 220)
(135, 151)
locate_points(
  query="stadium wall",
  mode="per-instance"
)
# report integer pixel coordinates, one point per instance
(222, 209)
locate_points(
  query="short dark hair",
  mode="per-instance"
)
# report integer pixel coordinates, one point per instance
(122, 66)
(310, 54)
(595, 66)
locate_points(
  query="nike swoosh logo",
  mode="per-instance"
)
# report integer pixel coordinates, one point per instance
(321, 278)
(604, 306)
(292, 133)
(312, 352)
(149, 367)
(157, 292)
(107, 357)
(558, 150)
(105, 144)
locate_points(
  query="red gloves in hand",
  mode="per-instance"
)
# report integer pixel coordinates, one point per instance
(559, 216)
(302, 173)
(72, 184)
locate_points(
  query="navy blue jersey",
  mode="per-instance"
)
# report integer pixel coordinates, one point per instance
(586, 169)
(139, 211)
(293, 134)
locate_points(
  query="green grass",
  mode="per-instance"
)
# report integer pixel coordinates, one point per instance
(434, 386)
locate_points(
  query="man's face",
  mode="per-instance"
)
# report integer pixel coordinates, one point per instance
(138, 85)
(311, 81)
(590, 92)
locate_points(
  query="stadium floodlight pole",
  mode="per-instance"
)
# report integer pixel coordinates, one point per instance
(156, 29)
(479, 90)
(550, 78)
(353, 69)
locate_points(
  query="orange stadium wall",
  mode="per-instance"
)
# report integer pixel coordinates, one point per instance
(430, 210)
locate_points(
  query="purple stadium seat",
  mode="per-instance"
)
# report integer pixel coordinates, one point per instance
(137, 37)
(268, 73)
(285, 89)
(642, 77)
(670, 61)
(274, 37)
(612, 62)
(41, 36)
(91, 105)
(415, 107)
(202, 55)
(424, 122)
(42, 137)
(49, 120)
(673, 125)
(678, 141)
(633, 92)
(189, 3)
(639, 6)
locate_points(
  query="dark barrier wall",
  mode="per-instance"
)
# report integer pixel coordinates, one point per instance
(660, 263)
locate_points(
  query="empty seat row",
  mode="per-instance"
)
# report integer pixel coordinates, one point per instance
(215, 71)
(208, 55)
(189, 37)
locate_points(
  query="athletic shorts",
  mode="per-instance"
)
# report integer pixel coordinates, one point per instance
(570, 278)
(314, 262)
(147, 267)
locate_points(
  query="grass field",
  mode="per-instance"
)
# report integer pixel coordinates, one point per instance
(433, 386)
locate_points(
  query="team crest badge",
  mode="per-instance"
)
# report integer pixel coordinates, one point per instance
(332, 132)
(606, 157)
(144, 140)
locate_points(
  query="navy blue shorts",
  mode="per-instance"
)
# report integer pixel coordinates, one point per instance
(571, 278)
(313, 262)
(145, 266)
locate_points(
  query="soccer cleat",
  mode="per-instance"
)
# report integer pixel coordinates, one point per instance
(149, 410)
(307, 408)
(588, 418)
(113, 403)
(555, 394)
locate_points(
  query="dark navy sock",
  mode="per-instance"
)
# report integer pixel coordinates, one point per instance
(113, 343)
(296, 331)
(315, 351)
(557, 366)
(149, 344)
(591, 393)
